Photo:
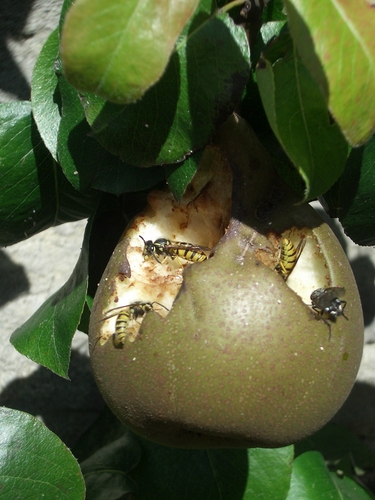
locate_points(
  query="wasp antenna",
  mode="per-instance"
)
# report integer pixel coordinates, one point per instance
(110, 315)
(148, 250)
(166, 308)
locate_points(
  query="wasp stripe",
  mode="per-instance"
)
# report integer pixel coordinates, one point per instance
(190, 255)
(125, 315)
(289, 256)
(122, 322)
(167, 248)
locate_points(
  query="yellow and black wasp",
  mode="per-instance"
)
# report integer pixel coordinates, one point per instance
(163, 248)
(289, 255)
(125, 315)
(326, 302)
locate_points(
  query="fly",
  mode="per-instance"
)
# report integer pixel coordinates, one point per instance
(326, 302)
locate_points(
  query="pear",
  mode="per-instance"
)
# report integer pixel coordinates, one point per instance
(203, 333)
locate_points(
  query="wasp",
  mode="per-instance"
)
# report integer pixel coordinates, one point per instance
(289, 255)
(163, 248)
(326, 302)
(125, 315)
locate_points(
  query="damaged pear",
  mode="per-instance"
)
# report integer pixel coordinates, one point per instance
(226, 350)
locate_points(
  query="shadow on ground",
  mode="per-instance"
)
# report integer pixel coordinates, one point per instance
(13, 19)
(66, 407)
(358, 413)
(13, 281)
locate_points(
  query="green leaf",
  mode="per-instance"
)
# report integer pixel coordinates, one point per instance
(201, 86)
(175, 474)
(352, 197)
(154, 471)
(64, 10)
(118, 49)
(122, 455)
(103, 431)
(337, 44)
(252, 109)
(274, 11)
(45, 96)
(86, 163)
(109, 486)
(334, 442)
(311, 479)
(34, 192)
(34, 463)
(179, 177)
(46, 336)
(298, 115)
(269, 473)
(349, 489)
(105, 471)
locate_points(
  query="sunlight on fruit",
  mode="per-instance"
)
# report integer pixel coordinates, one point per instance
(203, 332)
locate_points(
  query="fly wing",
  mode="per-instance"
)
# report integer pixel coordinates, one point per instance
(326, 296)
(336, 291)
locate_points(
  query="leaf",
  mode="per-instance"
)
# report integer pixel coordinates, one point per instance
(86, 163)
(107, 452)
(154, 471)
(201, 86)
(45, 96)
(311, 480)
(105, 471)
(103, 431)
(337, 44)
(122, 455)
(298, 115)
(34, 463)
(252, 109)
(108, 224)
(109, 486)
(119, 49)
(175, 474)
(335, 441)
(35, 194)
(352, 197)
(46, 336)
(274, 11)
(64, 10)
(269, 473)
(349, 489)
(179, 177)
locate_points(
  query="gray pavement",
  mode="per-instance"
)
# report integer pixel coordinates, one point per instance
(30, 272)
